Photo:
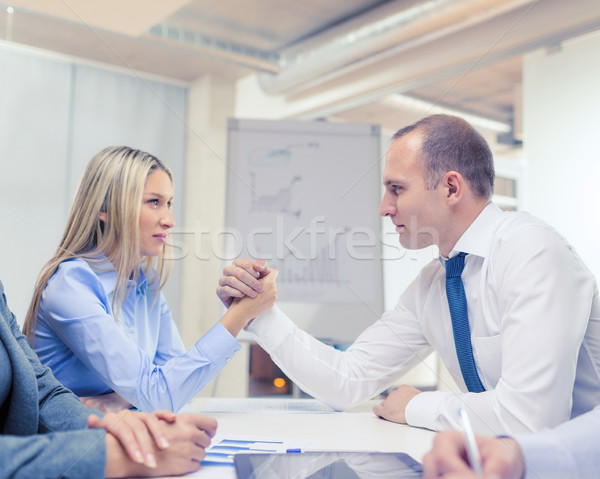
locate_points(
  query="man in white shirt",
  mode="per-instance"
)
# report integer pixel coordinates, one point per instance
(533, 307)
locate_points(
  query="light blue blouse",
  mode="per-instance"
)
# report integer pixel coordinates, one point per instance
(140, 356)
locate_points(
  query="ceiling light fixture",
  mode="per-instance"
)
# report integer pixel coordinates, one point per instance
(10, 13)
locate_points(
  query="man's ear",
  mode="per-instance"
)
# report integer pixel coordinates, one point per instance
(102, 216)
(455, 186)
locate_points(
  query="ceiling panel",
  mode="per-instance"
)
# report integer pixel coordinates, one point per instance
(488, 92)
(94, 44)
(132, 17)
(113, 32)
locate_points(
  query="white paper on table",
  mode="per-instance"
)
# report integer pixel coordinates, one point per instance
(267, 405)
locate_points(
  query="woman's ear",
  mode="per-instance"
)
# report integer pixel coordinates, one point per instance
(102, 216)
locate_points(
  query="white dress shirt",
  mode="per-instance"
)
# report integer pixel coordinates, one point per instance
(534, 314)
(570, 451)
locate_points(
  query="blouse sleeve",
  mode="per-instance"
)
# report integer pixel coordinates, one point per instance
(170, 344)
(75, 306)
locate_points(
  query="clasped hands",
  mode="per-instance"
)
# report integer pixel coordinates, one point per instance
(162, 441)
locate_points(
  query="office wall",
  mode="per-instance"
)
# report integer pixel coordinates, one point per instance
(55, 114)
(211, 103)
(561, 100)
(34, 122)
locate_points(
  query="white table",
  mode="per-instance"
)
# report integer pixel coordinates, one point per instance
(357, 429)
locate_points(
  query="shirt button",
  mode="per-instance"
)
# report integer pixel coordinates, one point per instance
(131, 330)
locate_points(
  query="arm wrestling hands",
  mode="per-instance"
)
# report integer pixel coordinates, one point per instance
(501, 458)
(247, 289)
(245, 302)
(151, 444)
(243, 278)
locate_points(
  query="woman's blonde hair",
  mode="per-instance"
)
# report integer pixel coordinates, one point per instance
(113, 183)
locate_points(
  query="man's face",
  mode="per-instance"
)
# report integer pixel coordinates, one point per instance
(419, 214)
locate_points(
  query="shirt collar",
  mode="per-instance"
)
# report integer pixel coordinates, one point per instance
(478, 237)
(107, 274)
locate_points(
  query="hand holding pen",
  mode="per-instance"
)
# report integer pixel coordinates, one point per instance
(499, 458)
(470, 443)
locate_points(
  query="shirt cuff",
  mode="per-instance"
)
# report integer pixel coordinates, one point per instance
(421, 410)
(217, 346)
(544, 456)
(271, 328)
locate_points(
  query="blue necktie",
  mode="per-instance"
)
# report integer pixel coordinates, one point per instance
(457, 301)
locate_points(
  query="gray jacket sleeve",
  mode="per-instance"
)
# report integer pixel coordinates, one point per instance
(68, 454)
(42, 423)
(59, 408)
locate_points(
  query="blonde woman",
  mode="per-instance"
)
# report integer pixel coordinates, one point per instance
(98, 317)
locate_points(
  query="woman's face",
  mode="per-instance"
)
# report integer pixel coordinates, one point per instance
(155, 216)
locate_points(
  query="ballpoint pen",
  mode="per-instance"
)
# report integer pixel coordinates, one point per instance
(471, 444)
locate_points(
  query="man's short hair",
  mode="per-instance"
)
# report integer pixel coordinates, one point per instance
(450, 143)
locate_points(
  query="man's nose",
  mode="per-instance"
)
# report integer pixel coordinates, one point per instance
(387, 207)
